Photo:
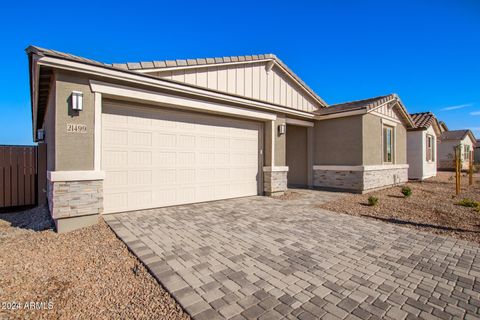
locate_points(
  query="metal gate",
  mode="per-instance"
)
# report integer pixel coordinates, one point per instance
(18, 175)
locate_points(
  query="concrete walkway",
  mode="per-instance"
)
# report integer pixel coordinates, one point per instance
(263, 258)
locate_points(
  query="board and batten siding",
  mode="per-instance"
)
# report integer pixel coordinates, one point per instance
(248, 80)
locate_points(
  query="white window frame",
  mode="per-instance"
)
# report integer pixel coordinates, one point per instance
(431, 138)
(392, 142)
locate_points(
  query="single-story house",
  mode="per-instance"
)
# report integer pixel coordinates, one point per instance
(422, 146)
(476, 154)
(133, 136)
(446, 149)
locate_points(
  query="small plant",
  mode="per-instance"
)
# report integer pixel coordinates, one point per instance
(372, 201)
(407, 191)
(467, 202)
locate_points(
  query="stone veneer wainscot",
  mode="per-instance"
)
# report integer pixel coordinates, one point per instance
(274, 180)
(359, 178)
(75, 198)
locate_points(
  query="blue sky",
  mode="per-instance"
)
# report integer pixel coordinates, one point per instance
(426, 51)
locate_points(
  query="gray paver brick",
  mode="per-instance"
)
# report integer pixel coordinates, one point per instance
(260, 256)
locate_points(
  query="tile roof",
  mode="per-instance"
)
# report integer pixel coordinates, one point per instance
(454, 134)
(146, 65)
(356, 105)
(423, 119)
(443, 125)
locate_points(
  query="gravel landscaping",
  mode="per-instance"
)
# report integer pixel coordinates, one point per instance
(84, 274)
(433, 206)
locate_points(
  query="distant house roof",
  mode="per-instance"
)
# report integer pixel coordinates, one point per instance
(164, 64)
(365, 104)
(457, 135)
(477, 145)
(443, 126)
(423, 119)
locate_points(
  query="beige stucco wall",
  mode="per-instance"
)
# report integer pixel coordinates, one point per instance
(338, 141)
(74, 151)
(401, 144)
(373, 144)
(372, 139)
(49, 128)
(280, 142)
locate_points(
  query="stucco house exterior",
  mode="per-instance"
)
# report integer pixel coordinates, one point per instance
(361, 146)
(133, 136)
(422, 146)
(448, 141)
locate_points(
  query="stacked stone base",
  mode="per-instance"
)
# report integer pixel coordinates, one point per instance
(360, 180)
(75, 204)
(275, 180)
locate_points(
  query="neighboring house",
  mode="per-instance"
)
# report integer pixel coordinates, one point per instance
(422, 146)
(448, 141)
(476, 155)
(124, 137)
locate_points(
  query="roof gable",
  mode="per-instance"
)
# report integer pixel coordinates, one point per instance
(276, 83)
(389, 106)
(458, 135)
(424, 120)
(259, 80)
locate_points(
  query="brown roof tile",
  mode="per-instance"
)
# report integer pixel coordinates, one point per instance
(423, 119)
(454, 134)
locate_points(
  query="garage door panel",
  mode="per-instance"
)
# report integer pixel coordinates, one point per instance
(154, 158)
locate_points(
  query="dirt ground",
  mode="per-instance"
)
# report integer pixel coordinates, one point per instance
(85, 274)
(432, 206)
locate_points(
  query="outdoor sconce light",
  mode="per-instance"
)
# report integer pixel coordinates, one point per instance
(40, 135)
(282, 128)
(77, 100)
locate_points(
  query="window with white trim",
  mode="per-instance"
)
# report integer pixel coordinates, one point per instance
(466, 152)
(388, 147)
(430, 152)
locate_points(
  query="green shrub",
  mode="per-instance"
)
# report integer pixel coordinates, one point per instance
(469, 203)
(372, 201)
(407, 191)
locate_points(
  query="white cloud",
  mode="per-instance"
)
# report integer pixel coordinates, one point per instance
(475, 113)
(460, 106)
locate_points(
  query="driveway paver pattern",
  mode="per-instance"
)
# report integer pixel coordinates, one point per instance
(265, 258)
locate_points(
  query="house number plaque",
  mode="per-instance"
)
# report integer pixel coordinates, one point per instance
(76, 128)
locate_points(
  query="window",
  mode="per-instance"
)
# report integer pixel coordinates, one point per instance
(466, 152)
(430, 154)
(387, 144)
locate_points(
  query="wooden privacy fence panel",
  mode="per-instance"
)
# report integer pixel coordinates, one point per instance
(18, 175)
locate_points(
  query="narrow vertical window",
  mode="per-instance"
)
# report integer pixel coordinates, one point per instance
(388, 144)
(430, 151)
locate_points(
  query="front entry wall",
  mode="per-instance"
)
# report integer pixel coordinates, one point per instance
(160, 157)
(297, 155)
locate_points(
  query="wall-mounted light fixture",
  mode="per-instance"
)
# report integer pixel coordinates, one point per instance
(40, 135)
(282, 128)
(77, 100)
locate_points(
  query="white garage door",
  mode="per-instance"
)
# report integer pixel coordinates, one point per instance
(159, 157)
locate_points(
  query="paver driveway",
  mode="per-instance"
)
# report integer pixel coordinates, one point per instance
(265, 258)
